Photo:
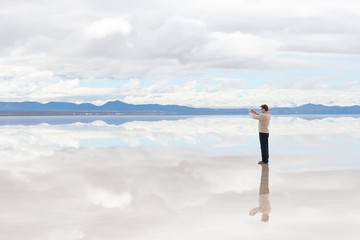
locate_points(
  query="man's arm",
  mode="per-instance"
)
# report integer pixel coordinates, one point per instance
(251, 113)
(257, 117)
(254, 211)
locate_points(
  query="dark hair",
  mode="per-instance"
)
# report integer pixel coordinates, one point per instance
(264, 106)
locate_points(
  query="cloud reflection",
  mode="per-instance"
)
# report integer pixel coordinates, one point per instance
(189, 178)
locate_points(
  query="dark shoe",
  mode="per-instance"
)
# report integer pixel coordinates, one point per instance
(261, 162)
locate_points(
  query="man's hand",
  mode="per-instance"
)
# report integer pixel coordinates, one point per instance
(254, 112)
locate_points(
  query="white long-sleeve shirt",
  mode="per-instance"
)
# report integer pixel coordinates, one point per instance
(264, 121)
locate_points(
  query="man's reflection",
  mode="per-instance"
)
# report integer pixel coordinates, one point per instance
(264, 203)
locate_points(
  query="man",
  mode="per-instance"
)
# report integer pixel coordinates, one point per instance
(264, 120)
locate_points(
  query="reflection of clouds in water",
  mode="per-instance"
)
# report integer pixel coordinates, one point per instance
(236, 135)
(215, 130)
(79, 181)
(107, 199)
(104, 192)
(322, 133)
(166, 189)
(319, 199)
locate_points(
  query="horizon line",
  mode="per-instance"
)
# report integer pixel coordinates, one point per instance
(44, 103)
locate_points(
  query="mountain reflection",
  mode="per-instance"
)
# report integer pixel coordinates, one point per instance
(264, 202)
(121, 119)
(108, 119)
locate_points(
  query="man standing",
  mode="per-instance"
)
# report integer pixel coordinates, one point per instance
(264, 120)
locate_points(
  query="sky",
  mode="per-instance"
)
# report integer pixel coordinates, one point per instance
(229, 53)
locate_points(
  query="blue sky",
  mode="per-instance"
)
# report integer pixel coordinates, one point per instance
(197, 53)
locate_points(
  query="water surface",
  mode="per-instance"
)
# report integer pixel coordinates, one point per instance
(178, 177)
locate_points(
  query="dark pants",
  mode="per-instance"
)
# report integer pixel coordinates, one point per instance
(264, 144)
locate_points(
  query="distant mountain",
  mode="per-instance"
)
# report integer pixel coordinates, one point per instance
(65, 108)
(112, 106)
(316, 109)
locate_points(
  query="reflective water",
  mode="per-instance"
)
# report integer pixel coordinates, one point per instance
(171, 177)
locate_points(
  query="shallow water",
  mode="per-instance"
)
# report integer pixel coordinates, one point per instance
(178, 177)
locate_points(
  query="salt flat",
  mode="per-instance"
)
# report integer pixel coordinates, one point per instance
(177, 177)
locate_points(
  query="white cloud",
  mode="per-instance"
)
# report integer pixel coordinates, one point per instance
(27, 74)
(315, 83)
(209, 92)
(238, 45)
(107, 199)
(165, 41)
(107, 27)
(178, 38)
(234, 95)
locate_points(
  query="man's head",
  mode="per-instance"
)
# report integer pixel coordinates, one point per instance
(264, 108)
(265, 217)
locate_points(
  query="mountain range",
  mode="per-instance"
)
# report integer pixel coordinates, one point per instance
(116, 107)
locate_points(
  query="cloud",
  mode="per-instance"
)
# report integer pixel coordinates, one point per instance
(206, 92)
(160, 40)
(178, 38)
(238, 44)
(106, 199)
(107, 27)
(329, 83)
